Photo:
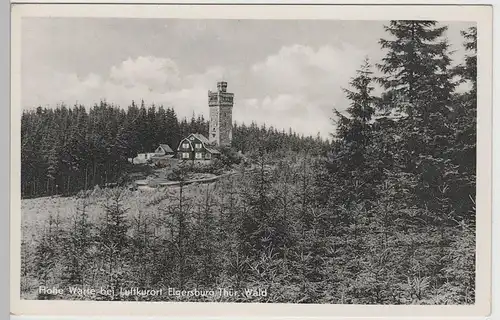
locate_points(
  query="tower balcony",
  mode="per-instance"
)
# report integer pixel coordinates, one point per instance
(220, 98)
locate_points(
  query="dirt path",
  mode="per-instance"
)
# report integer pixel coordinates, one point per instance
(146, 183)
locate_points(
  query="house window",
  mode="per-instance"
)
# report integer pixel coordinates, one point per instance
(199, 155)
(192, 138)
(185, 145)
(185, 155)
(198, 146)
(208, 156)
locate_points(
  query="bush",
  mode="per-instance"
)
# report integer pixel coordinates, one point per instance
(180, 172)
(216, 167)
(229, 157)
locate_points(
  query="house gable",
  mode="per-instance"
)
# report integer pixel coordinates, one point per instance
(195, 147)
(199, 137)
(185, 145)
(165, 149)
(198, 141)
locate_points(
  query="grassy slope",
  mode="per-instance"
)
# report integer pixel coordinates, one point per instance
(36, 212)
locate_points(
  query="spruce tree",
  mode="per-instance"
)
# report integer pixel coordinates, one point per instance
(418, 84)
(144, 249)
(113, 243)
(48, 255)
(468, 70)
(348, 163)
(205, 240)
(416, 68)
(417, 78)
(78, 244)
(465, 120)
(355, 128)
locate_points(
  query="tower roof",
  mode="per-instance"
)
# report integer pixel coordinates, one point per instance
(222, 86)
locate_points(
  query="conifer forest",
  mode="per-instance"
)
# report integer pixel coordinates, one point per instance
(382, 212)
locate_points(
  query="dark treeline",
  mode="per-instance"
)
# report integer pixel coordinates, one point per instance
(65, 150)
(253, 139)
(386, 216)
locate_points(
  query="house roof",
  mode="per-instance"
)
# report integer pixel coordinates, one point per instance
(166, 147)
(212, 150)
(200, 137)
(159, 157)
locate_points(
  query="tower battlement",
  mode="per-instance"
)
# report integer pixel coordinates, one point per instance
(220, 103)
(222, 86)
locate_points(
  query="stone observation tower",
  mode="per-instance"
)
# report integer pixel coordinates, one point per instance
(221, 115)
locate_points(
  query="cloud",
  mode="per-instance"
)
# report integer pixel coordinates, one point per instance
(299, 86)
(295, 87)
(45, 87)
(300, 68)
(284, 111)
(157, 74)
(155, 80)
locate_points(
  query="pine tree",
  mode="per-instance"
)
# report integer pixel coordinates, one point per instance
(78, 245)
(416, 68)
(468, 70)
(113, 243)
(355, 128)
(48, 255)
(349, 166)
(417, 71)
(258, 228)
(206, 235)
(418, 83)
(463, 152)
(144, 249)
(28, 267)
(178, 222)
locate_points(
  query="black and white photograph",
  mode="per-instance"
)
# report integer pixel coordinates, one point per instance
(287, 161)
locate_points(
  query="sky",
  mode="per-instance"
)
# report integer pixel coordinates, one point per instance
(284, 73)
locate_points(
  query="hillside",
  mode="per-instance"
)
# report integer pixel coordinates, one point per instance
(37, 212)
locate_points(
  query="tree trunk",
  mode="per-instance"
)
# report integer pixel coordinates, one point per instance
(68, 187)
(86, 178)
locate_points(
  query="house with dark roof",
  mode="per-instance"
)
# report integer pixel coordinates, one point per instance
(196, 147)
(163, 155)
(164, 149)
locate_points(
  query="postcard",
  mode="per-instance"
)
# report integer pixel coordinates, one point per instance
(251, 160)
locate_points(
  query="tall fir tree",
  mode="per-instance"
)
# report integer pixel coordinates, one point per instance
(416, 68)
(114, 243)
(465, 125)
(348, 161)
